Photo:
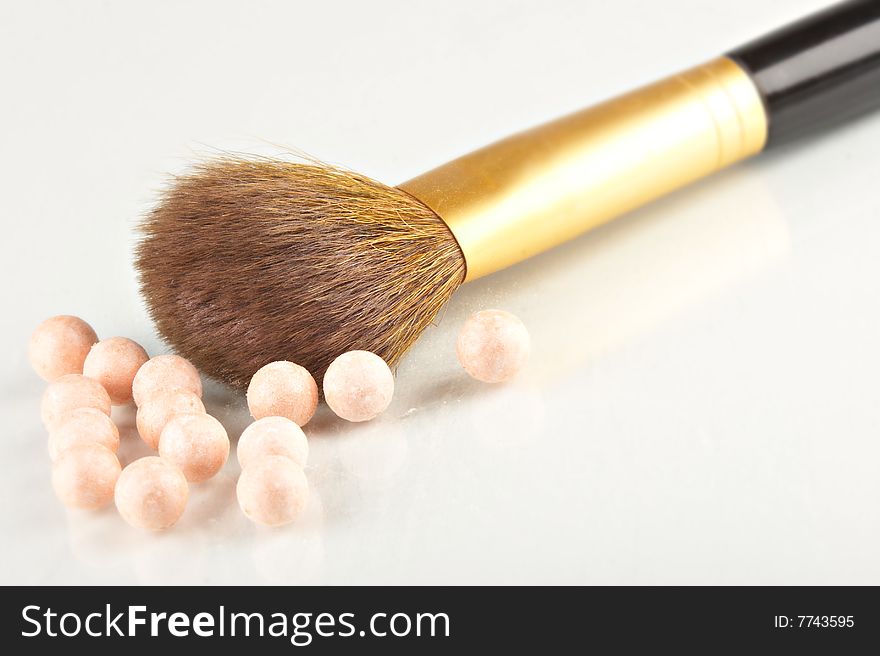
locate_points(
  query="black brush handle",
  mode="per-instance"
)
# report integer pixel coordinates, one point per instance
(819, 71)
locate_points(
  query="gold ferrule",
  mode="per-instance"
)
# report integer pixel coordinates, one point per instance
(539, 188)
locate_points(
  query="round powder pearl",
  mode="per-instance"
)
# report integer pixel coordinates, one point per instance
(69, 393)
(272, 491)
(83, 426)
(113, 363)
(272, 436)
(84, 476)
(151, 493)
(358, 385)
(59, 346)
(197, 443)
(154, 414)
(493, 346)
(164, 373)
(283, 389)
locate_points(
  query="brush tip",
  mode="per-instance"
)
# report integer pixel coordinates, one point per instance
(249, 261)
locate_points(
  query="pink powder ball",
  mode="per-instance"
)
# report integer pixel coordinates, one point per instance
(493, 346)
(153, 415)
(272, 491)
(70, 392)
(151, 493)
(84, 476)
(165, 373)
(197, 443)
(113, 363)
(83, 426)
(358, 385)
(59, 346)
(283, 389)
(272, 436)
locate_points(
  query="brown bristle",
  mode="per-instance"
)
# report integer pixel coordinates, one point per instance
(247, 261)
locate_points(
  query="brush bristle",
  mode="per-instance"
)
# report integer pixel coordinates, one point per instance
(247, 261)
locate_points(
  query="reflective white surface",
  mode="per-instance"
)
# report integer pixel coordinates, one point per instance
(702, 404)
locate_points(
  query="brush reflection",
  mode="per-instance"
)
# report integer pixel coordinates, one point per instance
(606, 289)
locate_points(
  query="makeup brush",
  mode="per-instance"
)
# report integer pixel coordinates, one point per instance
(247, 260)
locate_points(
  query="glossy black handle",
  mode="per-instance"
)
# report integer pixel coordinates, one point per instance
(819, 71)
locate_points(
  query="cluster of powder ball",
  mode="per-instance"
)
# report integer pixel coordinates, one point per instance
(86, 377)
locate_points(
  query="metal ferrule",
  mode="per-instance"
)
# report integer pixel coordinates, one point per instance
(540, 188)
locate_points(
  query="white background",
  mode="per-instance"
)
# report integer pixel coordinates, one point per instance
(703, 401)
